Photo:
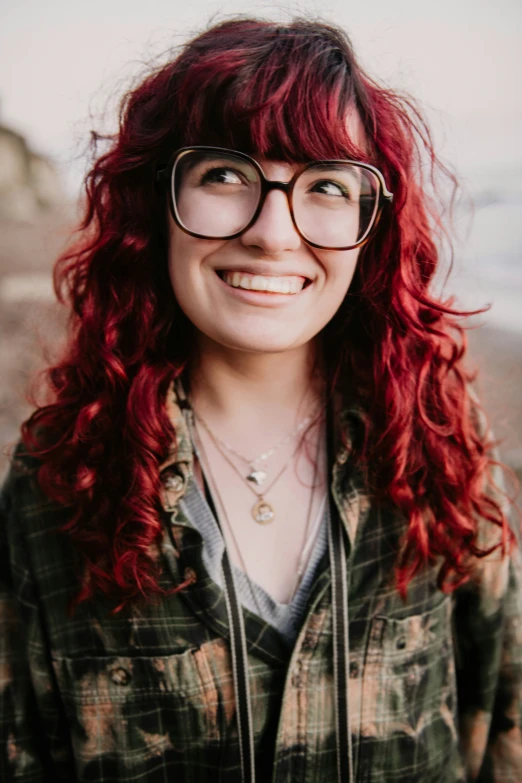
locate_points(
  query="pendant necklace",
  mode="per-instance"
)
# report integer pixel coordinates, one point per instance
(257, 472)
(309, 534)
(262, 511)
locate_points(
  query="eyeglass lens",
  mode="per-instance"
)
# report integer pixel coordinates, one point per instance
(217, 194)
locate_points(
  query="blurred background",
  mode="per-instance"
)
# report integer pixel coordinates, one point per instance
(64, 66)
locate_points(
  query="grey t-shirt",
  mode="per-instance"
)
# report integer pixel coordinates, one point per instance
(286, 618)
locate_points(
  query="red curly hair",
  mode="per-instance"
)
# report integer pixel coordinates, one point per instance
(280, 92)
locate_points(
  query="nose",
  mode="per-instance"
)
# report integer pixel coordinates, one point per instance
(274, 230)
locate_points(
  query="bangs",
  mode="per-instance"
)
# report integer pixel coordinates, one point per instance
(274, 94)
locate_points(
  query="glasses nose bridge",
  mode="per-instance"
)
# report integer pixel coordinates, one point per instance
(275, 184)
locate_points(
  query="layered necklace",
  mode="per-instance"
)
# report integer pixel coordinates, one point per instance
(262, 511)
(309, 533)
(256, 475)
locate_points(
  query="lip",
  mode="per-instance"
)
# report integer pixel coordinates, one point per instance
(264, 270)
(262, 298)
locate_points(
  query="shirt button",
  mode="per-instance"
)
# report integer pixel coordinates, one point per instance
(308, 643)
(342, 456)
(173, 482)
(401, 643)
(297, 680)
(189, 575)
(121, 676)
(413, 677)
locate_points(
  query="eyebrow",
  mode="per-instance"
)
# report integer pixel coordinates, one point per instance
(335, 166)
(355, 171)
(340, 166)
(203, 157)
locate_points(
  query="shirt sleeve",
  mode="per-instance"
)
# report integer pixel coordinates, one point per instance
(488, 636)
(33, 736)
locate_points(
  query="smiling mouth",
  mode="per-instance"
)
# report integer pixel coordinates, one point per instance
(276, 284)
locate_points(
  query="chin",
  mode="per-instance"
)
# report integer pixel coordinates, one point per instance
(262, 344)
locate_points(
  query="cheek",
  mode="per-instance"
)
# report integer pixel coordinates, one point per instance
(184, 261)
(179, 268)
(339, 266)
(189, 273)
(186, 257)
(179, 257)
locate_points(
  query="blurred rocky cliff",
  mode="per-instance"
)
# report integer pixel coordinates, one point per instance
(36, 219)
(29, 183)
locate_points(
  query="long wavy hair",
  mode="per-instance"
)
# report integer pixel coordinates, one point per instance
(280, 92)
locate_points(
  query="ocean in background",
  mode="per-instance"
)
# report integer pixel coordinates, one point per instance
(488, 254)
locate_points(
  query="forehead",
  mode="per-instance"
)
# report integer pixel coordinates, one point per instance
(275, 167)
(290, 141)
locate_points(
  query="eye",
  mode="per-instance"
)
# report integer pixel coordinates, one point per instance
(222, 176)
(330, 188)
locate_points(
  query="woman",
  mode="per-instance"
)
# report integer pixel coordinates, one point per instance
(258, 532)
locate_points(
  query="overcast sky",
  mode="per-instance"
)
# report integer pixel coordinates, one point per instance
(60, 60)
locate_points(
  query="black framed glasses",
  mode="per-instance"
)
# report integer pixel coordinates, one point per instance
(216, 193)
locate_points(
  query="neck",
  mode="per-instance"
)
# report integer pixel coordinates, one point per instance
(253, 394)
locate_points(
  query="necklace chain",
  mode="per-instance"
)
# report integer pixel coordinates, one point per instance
(265, 455)
(305, 550)
(262, 511)
(217, 442)
(205, 467)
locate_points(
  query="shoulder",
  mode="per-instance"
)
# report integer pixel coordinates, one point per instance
(20, 485)
(38, 563)
(25, 510)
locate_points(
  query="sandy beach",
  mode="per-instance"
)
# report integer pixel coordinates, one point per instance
(31, 319)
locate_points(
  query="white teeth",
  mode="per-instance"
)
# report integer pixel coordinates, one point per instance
(278, 285)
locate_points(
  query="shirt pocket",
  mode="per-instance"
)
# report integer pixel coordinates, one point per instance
(129, 713)
(409, 701)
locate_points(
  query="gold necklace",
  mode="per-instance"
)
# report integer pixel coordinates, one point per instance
(256, 473)
(305, 550)
(262, 511)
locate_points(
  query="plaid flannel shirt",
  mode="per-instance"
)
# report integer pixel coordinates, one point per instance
(435, 686)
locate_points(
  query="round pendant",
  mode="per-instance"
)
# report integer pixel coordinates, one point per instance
(262, 512)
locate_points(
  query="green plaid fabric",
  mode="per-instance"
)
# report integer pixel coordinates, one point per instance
(435, 687)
